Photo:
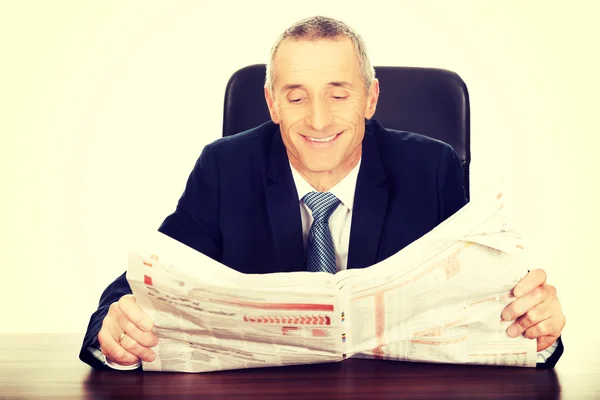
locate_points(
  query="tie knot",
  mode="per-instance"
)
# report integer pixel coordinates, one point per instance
(322, 205)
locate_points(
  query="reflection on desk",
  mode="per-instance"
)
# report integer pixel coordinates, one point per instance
(47, 366)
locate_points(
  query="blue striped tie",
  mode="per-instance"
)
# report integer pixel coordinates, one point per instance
(320, 253)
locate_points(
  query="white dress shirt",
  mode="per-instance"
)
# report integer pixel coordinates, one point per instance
(100, 356)
(339, 223)
(341, 218)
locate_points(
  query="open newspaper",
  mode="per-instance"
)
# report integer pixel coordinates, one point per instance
(437, 300)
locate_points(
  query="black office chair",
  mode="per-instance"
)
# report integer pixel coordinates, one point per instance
(429, 101)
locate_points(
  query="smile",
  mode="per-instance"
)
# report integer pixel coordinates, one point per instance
(322, 140)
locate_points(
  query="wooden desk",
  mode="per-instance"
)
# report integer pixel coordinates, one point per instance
(47, 366)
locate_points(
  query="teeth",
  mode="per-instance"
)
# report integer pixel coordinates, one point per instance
(322, 140)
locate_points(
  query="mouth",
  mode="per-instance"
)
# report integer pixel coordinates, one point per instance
(322, 140)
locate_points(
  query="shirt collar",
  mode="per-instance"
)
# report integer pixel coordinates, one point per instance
(344, 190)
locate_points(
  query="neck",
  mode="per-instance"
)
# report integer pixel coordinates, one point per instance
(322, 181)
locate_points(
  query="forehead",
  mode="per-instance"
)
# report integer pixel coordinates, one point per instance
(314, 62)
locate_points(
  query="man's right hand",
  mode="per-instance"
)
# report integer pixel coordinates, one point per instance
(126, 317)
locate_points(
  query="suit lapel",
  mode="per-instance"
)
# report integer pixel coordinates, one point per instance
(370, 205)
(284, 209)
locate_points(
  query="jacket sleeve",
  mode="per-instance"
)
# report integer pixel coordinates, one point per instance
(114, 291)
(554, 357)
(450, 182)
(194, 223)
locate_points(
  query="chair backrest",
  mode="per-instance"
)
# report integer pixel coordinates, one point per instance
(432, 102)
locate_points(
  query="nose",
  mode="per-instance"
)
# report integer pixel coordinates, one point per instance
(319, 115)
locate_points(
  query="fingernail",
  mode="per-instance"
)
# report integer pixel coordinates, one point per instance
(512, 331)
(150, 358)
(146, 325)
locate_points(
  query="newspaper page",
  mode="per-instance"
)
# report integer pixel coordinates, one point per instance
(440, 298)
(209, 317)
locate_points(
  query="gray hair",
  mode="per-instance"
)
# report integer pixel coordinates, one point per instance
(318, 27)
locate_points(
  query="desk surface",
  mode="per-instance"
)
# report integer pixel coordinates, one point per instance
(47, 366)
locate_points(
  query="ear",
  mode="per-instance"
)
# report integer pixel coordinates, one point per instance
(372, 99)
(271, 105)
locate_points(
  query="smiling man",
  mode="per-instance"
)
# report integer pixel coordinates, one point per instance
(321, 187)
(320, 94)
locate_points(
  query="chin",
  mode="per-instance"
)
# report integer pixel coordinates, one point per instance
(316, 166)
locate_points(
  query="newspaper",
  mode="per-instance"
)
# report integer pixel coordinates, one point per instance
(437, 300)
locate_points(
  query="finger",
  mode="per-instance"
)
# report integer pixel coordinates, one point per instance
(129, 307)
(548, 327)
(519, 306)
(117, 323)
(531, 318)
(147, 339)
(113, 350)
(529, 282)
(111, 322)
(545, 329)
(133, 347)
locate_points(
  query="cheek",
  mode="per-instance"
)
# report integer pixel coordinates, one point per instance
(285, 111)
(352, 113)
(289, 122)
(359, 108)
(291, 117)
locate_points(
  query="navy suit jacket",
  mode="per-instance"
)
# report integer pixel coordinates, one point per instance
(240, 205)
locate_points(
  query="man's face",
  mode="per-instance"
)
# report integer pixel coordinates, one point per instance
(320, 104)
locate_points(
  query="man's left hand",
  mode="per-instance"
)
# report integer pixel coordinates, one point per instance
(536, 310)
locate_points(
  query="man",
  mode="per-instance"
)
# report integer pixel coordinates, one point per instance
(316, 189)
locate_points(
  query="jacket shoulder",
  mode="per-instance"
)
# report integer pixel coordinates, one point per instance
(398, 140)
(246, 142)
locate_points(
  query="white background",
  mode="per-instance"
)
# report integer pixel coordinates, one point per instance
(105, 106)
